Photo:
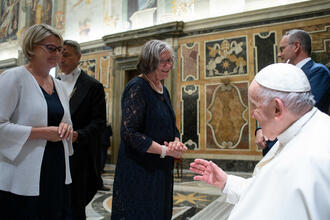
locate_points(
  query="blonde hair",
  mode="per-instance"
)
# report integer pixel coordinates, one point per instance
(35, 34)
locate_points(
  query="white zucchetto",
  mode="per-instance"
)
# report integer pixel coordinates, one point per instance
(283, 77)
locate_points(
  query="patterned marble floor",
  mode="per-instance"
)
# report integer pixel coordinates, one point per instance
(190, 197)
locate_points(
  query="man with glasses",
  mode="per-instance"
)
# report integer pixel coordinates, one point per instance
(295, 48)
(88, 114)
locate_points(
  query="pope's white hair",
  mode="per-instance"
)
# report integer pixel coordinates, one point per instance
(296, 102)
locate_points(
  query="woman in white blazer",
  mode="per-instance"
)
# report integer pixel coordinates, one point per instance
(35, 133)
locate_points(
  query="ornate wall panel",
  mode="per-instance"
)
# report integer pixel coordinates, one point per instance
(265, 52)
(105, 71)
(98, 65)
(190, 61)
(190, 116)
(228, 62)
(227, 126)
(226, 56)
(89, 65)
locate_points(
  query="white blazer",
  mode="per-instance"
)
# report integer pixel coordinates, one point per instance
(23, 106)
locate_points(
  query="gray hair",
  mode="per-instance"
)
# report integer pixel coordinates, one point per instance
(303, 37)
(34, 35)
(296, 102)
(74, 44)
(149, 57)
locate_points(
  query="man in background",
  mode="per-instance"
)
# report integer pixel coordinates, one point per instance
(88, 114)
(295, 48)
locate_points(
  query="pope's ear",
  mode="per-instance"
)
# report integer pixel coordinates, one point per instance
(279, 107)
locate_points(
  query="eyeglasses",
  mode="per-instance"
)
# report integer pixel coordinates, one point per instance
(168, 61)
(52, 48)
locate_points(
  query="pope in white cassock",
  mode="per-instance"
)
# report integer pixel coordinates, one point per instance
(293, 180)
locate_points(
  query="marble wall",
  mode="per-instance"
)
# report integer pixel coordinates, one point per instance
(99, 66)
(214, 73)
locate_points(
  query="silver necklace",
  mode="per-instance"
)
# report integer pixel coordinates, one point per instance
(160, 91)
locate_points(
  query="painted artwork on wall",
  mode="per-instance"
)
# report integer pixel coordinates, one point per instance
(39, 12)
(9, 14)
(16, 16)
(183, 8)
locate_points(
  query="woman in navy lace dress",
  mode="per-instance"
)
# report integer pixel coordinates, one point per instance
(143, 185)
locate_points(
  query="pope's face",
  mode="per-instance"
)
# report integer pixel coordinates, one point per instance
(165, 65)
(286, 51)
(262, 113)
(69, 59)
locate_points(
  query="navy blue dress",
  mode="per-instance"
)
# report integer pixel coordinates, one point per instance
(143, 184)
(53, 202)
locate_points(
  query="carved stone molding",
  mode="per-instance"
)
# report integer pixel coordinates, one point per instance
(140, 36)
(5, 64)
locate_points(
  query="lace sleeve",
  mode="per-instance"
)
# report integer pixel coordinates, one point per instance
(133, 114)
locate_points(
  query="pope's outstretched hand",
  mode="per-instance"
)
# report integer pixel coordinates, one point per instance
(209, 172)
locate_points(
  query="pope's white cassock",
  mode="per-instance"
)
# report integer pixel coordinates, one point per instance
(292, 182)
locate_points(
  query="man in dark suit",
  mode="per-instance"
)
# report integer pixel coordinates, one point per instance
(296, 48)
(88, 114)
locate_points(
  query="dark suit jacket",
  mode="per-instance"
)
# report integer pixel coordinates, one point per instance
(88, 114)
(319, 77)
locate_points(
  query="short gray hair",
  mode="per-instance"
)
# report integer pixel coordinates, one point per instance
(303, 37)
(34, 35)
(296, 102)
(74, 44)
(149, 57)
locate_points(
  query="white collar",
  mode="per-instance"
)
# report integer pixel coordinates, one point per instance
(294, 129)
(71, 76)
(303, 62)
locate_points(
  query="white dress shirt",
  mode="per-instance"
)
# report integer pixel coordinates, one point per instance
(69, 80)
(303, 62)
